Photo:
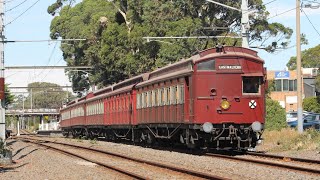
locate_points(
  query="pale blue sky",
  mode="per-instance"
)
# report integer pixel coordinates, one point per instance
(35, 23)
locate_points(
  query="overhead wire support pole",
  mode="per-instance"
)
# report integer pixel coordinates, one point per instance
(245, 26)
(299, 77)
(2, 89)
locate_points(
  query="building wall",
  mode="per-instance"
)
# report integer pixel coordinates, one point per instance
(288, 99)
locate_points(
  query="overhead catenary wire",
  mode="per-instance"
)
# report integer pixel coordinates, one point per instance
(7, 1)
(22, 13)
(44, 40)
(282, 13)
(16, 6)
(52, 52)
(310, 22)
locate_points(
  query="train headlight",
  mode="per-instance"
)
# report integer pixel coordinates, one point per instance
(207, 127)
(256, 126)
(225, 104)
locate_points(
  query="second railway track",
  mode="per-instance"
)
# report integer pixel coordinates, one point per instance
(292, 164)
(132, 167)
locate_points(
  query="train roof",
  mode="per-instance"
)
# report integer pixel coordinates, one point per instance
(227, 51)
(177, 69)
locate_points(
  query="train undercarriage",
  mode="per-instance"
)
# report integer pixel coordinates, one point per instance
(222, 136)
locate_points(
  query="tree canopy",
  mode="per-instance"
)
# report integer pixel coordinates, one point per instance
(309, 59)
(114, 30)
(44, 95)
(9, 98)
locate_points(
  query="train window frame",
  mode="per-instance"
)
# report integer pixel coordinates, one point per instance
(251, 86)
(138, 101)
(207, 65)
(165, 96)
(172, 95)
(149, 99)
(143, 101)
(180, 94)
(160, 97)
(153, 98)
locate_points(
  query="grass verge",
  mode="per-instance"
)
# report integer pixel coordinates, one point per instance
(289, 139)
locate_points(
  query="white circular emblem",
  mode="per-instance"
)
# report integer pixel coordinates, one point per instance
(252, 104)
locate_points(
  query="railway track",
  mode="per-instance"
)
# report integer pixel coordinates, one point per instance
(120, 161)
(275, 161)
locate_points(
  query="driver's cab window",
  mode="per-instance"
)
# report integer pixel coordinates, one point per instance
(251, 85)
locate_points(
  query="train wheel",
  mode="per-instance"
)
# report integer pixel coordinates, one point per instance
(66, 134)
(150, 139)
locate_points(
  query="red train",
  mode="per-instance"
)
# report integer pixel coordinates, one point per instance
(213, 99)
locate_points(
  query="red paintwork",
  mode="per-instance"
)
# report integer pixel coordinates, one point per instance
(228, 84)
(199, 106)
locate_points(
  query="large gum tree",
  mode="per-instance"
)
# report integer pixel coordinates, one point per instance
(114, 30)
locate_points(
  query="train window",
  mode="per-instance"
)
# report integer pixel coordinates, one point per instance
(143, 100)
(172, 95)
(149, 99)
(165, 96)
(159, 98)
(180, 94)
(206, 65)
(138, 101)
(251, 85)
(155, 98)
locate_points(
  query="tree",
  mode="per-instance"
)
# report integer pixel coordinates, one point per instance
(9, 98)
(114, 30)
(45, 95)
(309, 59)
(311, 104)
(276, 115)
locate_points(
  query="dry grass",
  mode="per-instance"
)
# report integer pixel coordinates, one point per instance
(289, 139)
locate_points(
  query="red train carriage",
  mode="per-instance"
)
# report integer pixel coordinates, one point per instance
(213, 99)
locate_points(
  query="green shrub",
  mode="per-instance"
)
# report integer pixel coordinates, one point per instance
(311, 104)
(276, 115)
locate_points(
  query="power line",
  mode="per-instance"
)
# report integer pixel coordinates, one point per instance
(22, 13)
(48, 40)
(310, 22)
(269, 2)
(282, 13)
(16, 6)
(49, 58)
(7, 1)
(48, 67)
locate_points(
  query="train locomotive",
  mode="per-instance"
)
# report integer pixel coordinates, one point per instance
(214, 99)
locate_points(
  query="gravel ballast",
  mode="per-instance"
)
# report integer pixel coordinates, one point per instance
(33, 162)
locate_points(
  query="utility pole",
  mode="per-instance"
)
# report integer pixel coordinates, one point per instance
(2, 94)
(245, 26)
(299, 77)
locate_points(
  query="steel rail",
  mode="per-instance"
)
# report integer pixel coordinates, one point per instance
(156, 164)
(128, 173)
(284, 157)
(284, 166)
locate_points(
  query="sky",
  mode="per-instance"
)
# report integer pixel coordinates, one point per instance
(34, 24)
